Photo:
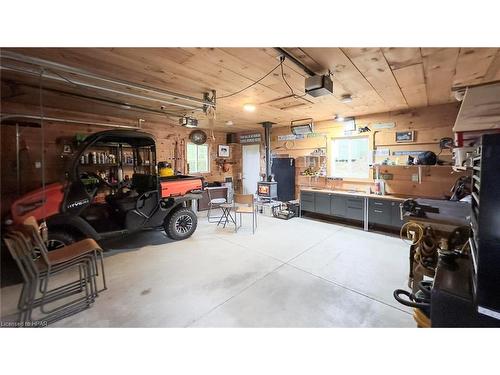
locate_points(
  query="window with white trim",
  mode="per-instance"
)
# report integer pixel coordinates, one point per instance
(349, 158)
(197, 158)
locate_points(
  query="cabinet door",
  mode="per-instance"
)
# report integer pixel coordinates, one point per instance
(380, 215)
(307, 201)
(354, 213)
(380, 203)
(322, 203)
(338, 205)
(354, 208)
(396, 215)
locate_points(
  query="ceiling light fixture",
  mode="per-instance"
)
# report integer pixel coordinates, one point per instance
(302, 129)
(346, 98)
(229, 123)
(305, 127)
(339, 118)
(249, 107)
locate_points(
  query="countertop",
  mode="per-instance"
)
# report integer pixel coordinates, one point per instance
(357, 194)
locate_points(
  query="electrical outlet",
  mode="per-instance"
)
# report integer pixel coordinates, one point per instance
(414, 177)
(38, 165)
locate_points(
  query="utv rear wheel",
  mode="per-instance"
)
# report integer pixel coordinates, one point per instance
(58, 238)
(181, 224)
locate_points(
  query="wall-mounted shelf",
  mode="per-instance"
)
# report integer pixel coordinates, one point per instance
(410, 166)
(99, 165)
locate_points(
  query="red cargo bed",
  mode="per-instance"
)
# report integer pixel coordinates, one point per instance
(179, 185)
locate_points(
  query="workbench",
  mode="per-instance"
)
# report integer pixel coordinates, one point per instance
(370, 209)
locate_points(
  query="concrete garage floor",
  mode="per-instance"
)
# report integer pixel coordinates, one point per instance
(296, 273)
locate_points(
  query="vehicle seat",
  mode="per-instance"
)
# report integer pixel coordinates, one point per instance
(141, 183)
(122, 203)
(144, 182)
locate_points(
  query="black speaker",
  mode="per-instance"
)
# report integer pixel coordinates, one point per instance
(231, 138)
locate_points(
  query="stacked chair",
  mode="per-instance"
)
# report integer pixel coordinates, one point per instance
(39, 267)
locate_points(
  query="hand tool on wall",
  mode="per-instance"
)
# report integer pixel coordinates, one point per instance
(183, 155)
(176, 155)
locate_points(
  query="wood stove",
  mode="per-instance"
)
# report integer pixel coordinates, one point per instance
(267, 190)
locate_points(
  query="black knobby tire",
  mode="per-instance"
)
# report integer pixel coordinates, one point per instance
(58, 238)
(181, 224)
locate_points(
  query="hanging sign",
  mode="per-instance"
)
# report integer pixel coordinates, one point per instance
(291, 137)
(287, 137)
(250, 138)
(382, 152)
(410, 152)
(314, 135)
(384, 125)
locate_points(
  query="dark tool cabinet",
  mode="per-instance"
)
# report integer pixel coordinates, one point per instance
(485, 223)
(467, 293)
(452, 297)
(283, 170)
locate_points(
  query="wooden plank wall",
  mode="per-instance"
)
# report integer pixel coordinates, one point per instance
(429, 123)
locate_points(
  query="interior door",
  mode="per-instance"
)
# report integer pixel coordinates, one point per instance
(251, 168)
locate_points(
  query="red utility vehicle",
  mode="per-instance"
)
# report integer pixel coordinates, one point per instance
(96, 201)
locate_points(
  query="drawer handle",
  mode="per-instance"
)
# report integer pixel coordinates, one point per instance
(378, 203)
(378, 211)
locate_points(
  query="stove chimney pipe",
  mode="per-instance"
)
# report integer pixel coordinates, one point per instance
(267, 125)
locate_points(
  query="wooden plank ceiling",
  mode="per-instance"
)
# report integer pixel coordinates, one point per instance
(378, 79)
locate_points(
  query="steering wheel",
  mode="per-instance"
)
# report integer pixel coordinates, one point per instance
(102, 182)
(100, 179)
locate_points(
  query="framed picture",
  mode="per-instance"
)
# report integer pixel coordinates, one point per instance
(223, 151)
(349, 124)
(404, 137)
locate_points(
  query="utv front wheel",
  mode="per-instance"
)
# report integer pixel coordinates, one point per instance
(181, 224)
(58, 238)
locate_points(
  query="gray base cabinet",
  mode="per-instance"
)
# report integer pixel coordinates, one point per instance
(337, 205)
(380, 211)
(384, 212)
(307, 201)
(354, 208)
(322, 203)
(396, 222)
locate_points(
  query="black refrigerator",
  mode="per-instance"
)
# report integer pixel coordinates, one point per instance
(283, 170)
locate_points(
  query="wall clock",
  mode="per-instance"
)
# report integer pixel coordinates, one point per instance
(198, 137)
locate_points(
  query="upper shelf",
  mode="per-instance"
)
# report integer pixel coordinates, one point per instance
(410, 166)
(480, 109)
